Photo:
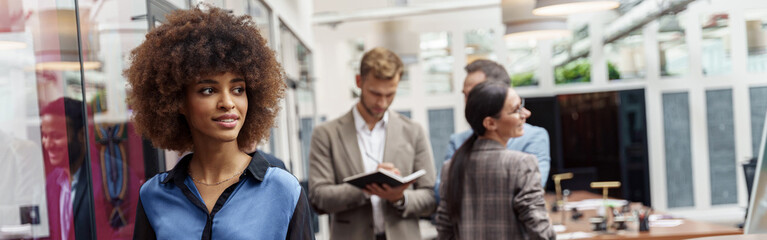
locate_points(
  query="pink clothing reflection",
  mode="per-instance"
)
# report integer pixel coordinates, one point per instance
(59, 194)
(56, 141)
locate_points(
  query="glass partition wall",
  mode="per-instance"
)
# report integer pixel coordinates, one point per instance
(297, 62)
(39, 68)
(756, 36)
(523, 62)
(437, 62)
(480, 44)
(626, 57)
(717, 54)
(674, 56)
(120, 160)
(571, 58)
(74, 163)
(71, 161)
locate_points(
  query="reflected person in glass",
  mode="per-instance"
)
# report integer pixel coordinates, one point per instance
(207, 83)
(68, 192)
(488, 191)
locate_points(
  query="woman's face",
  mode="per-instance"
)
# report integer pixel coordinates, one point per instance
(512, 117)
(215, 107)
(54, 134)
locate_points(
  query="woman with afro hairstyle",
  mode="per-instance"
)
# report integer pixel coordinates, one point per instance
(207, 83)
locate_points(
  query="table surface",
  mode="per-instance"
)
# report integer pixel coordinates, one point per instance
(688, 229)
(736, 237)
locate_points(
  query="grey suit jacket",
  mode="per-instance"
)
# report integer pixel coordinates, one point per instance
(335, 155)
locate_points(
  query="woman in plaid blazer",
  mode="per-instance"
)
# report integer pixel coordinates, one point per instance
(490, 192)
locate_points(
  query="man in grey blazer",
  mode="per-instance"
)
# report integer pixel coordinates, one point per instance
(367, 138)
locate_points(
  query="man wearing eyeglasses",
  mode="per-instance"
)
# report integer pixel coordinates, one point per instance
(535, 139)
(369, 137)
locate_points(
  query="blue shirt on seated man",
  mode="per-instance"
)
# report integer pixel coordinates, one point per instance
(535, 139)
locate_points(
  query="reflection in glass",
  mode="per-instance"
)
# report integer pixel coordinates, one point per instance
(574, 71)
(674, 58)
(43, 188)
(306, 103)
(523, 62)
(357, 50)
(289, 53)
(756, 35)
(716, 51)
(403, 88)
(306, 114)
(62, 134)
(259, 12)
(296, 58)
(22, 172)
(571, 60)
(263, 18)
(63, 56)
(625, 57)
(437, 62)
(305, 65)
(480, 44)
(117, 152)
(298, 65)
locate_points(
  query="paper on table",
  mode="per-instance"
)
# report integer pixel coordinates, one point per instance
(666, 223)
(654, 217)
(591, 204)
(575, 235)
(559, 228)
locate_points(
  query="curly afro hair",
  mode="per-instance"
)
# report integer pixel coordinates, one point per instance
(192, 44)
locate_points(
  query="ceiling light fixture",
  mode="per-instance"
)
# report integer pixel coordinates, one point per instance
(522, 25)
(566, 7)
(539, 30)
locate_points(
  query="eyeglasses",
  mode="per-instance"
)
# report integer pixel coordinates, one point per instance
(521, 107)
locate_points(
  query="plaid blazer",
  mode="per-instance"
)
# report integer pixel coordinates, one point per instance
(502, 197)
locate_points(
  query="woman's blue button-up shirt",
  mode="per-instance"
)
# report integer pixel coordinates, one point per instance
(267, 203)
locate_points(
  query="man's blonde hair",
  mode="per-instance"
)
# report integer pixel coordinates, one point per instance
(382, 63)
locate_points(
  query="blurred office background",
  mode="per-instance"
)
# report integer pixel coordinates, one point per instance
(666, 96)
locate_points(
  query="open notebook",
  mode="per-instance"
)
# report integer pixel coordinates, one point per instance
(382, 176)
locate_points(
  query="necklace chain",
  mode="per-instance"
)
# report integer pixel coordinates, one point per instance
(216, 183)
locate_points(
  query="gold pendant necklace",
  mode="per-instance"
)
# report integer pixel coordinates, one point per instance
(217, 183)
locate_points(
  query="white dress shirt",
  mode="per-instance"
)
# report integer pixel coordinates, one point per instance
(372, 143)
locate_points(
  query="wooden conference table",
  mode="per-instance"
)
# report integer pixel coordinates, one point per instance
(736, 237)
(688, 229)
